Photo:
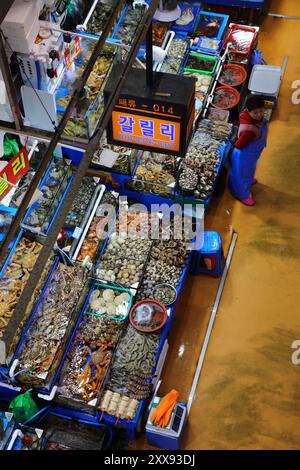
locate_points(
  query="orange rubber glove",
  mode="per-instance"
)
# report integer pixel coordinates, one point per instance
(162, 413)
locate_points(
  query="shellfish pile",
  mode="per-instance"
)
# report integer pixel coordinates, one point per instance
(202, 85)
(110, 302)
(14, 278)
(203, 157)
(125, 160)
(159, 170)
(124, 259)
(175, 55)
(55, 314)
(158, 272)
(94, 329)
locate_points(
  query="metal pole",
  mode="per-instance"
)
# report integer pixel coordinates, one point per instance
(78, 86)
(211, 323)
(9, 86)
(149, 57)
(93, 145)
(43, 136)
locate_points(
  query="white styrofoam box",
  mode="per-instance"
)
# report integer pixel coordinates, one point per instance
(5, 111)
(25, 44)
(35, 114)
(20, 18)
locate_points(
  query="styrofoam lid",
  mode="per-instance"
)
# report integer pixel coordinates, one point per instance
(265, 79)
(108, 158)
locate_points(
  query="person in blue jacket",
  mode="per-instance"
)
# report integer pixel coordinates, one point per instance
(251, 141)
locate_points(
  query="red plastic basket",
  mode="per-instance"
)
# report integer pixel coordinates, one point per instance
(232, 95)
(233, 28)
(161, 309)
(238, 73)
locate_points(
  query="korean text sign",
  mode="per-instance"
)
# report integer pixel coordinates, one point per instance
(13, 172)
(146, 131)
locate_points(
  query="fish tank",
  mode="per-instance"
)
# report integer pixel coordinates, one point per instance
(211, 25)
(81, 203)
(175, 57)
(84, 119)
(97, 20)
(53, 186)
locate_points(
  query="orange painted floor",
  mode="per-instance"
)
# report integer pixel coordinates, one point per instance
(248, 396)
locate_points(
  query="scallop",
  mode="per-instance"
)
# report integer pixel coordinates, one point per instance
(125, 297)
(111, 309)
(108, 295)
(95, 295)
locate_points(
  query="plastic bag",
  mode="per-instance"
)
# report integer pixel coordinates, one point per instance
(11, 147)
(23, 407)
(257, 58)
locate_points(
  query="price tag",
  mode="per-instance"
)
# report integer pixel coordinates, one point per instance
(77, 232)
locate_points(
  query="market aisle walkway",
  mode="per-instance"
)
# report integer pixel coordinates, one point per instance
(248, 395)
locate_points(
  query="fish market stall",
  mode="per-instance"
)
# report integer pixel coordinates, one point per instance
(41, 348)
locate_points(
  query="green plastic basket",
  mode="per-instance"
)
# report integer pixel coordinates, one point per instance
(115, 288)
(203, 57)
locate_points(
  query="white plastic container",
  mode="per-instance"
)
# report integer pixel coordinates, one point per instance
(265, 80)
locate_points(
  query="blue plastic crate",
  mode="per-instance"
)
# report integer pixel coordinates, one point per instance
(12, 248)
(206, 17)
(185, 30)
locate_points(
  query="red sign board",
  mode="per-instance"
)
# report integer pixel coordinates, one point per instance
(72, 52)
(13, 172)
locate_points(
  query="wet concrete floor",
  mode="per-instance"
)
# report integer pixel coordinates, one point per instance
(248, 395)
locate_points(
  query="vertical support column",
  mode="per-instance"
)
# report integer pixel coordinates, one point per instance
(149, 57)
(9, 85)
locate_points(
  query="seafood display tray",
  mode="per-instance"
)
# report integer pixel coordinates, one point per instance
(47, 380)
(12, 248)
(186, 29)
(205, 46)
(77, 404)
(207, 17)
(55, 425)
(85, 225)
(237, 27)
(132, 156)
(187, 199)
(132, 288)
(174, 60)
(203, 57)
(119, 23)
(85, 26)
(133, 425)
(57, 200)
